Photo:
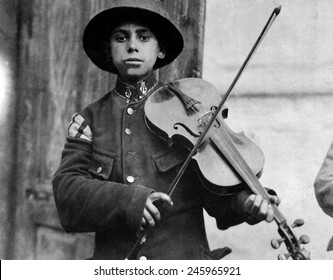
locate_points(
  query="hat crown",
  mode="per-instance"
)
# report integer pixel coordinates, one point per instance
(155, 6)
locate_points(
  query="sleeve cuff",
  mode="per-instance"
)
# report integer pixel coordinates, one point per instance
(135, 209)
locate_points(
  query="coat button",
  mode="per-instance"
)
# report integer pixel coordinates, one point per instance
(130, 111)
(128, 131)
(143, 258)
(99, 170)
(130, 179)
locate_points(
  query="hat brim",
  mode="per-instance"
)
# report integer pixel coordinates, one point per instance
(96, 33)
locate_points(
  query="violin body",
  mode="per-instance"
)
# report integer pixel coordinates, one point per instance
(168, 117)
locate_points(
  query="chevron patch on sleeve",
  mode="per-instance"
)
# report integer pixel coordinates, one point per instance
(79, 128)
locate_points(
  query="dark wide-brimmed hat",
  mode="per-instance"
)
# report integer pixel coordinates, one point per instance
(151, 12)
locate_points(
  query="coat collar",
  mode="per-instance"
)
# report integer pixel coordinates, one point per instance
(134, 93)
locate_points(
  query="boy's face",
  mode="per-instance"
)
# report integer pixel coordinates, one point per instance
(134, 50)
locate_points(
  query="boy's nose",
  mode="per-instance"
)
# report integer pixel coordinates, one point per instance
(132, 45)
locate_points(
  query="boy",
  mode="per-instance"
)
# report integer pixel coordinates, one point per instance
(114, 168)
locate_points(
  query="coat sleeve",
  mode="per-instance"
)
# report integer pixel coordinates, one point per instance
(324, 184)
(228, 210)
(85, 203)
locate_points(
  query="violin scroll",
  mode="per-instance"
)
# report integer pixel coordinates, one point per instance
(295, 252)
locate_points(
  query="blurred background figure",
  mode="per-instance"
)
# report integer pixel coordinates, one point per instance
(324, 187)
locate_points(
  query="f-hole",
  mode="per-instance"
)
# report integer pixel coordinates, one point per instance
(175, 126)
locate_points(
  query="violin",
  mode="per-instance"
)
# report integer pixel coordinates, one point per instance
(193, 116)
(187, 105)
(226, 159)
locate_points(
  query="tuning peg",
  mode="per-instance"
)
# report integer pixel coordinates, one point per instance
(298, 223)
(283, 256)
(304, 239)
(276, 243)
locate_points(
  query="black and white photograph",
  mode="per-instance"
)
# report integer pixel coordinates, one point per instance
(175, 130)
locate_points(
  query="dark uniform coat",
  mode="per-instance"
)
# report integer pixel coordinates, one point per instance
(112, 162)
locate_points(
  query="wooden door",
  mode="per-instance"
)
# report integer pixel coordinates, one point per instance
(55, 80)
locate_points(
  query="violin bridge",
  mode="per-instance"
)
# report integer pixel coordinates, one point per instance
(204, 119)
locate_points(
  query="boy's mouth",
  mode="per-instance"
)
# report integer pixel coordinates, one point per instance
(133, 61)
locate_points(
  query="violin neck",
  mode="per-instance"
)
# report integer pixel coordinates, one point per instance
(225, 146)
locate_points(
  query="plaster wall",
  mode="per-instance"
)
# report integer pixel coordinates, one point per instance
(284, 102)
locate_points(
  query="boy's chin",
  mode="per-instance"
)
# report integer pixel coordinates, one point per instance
(134, 75)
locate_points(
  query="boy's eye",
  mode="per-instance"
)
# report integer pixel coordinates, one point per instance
(144, 37)
(119, 37)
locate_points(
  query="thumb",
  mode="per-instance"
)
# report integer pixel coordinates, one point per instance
(161, 196)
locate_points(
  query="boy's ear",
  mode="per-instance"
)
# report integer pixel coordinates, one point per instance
(161, 54)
